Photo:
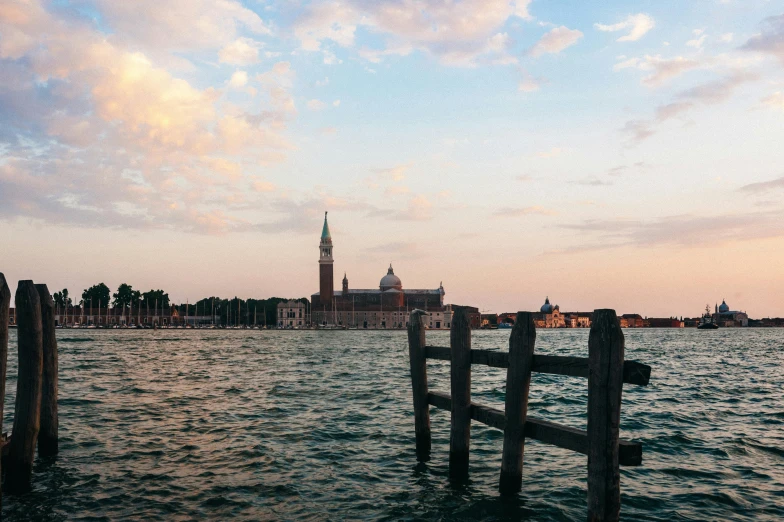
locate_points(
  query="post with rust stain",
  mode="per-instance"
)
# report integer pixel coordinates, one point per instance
(47, 437)
(5, 306)
(518, 380)
(416, 354)
(27, 413)
(460, 341)
(605, 384)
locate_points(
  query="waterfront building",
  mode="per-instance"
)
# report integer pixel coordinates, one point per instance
(723, 316)
(387, 306)
(663, 322)
(632, 321)
(292, 314)
(488, 320)
(549, 316)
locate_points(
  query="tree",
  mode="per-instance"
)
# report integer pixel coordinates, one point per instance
(61, 299)
(156, 295)
(99, 294)
(124, 296)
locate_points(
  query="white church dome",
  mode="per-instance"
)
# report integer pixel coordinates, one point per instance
(390, 281)
(723, 308)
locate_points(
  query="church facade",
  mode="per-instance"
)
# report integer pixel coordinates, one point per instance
(727, 318)
(387, 306)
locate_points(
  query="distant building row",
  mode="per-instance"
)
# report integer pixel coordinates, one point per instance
(387, 306)
(550, 316)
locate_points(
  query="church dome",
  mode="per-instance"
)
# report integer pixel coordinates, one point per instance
(390, 281)
(723, 308)
(546, 308)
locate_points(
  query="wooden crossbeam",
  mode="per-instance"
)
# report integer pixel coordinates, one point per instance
(630, 453)
(633, 371)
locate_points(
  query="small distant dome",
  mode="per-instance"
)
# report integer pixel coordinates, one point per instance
(723, 308)
(546, 308)
(390, 281)
(557, 308)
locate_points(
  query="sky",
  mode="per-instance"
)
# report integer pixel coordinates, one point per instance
(621, 155)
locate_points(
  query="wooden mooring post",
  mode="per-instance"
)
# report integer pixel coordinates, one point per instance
(47, 437)
(5, 308)
(605, 369)
(518, 381)
(416, 354)
(27, 411)
(460, 374)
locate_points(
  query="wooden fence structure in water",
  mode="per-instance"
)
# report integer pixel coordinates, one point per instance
(604, 368)
(35, 411)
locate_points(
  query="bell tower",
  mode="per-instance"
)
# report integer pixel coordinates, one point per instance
(326, 284)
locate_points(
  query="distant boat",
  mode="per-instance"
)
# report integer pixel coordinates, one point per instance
(505, 325)
(706, 321)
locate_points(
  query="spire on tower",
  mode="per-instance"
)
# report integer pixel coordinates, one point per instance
(325, 235)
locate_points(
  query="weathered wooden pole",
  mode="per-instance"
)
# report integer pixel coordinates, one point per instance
(518, 381)
(416, 354)
(5, 306)
(27, 412)
(47, 437)
(460, 437)
(605, 384)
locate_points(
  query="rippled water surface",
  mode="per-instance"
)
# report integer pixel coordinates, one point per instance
(184, 424)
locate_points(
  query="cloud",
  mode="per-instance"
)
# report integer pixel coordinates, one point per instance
(456, 33)
(419, 208)
(637, 24)
(396, 173)
(592, 181)
(698, 40)
(661, 69)
(719, 90)
(238, 79)
(620, 170)
(549, 154)
(242, 51)
(763, 186)
(770, 40)
(774, 101)
(726, 37)
(639, 130)
(161, 151)
(710, 93)
(529, 84)
(684, 231)
(316, 105)
(396, 190)
(161, 28)
(336, 103)
(523, 211)
(555, 41)
(263, 186)
(398, 247)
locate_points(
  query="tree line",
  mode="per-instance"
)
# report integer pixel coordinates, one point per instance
(235, 311)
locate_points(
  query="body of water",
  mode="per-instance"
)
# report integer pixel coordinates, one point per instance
(318, 425)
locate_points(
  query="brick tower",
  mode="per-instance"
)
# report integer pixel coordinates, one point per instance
(326, 286)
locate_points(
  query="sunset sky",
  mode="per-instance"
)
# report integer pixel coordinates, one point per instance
(619, 154)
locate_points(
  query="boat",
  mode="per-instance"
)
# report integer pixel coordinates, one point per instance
(706, 321)
(503, 325)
